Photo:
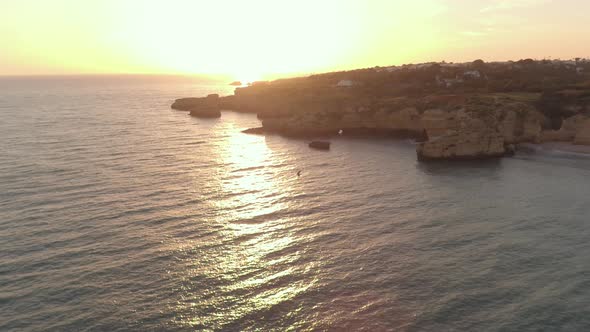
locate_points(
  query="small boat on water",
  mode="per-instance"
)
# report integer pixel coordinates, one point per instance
(320, 145)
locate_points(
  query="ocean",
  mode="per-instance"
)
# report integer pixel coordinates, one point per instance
(120, 214)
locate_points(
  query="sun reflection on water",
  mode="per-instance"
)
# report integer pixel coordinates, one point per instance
(253, 267)
(248, 183)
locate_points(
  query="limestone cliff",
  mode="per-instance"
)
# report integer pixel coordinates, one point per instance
(460, 125)
(571, 128)
(457, 126)
(583, 133)
(473, 131)
(518, 122)
(473, 139)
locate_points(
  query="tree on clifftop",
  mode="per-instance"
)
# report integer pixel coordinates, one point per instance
(526, 62)
(478, 63)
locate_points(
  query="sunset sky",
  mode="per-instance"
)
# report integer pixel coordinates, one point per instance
(255, 39)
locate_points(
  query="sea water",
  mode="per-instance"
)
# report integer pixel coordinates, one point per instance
(120, 214)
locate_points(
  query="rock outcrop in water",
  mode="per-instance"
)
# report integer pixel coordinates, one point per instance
(474, 131)
(465, 111)
(480, 128)
(205, 113)
(207, 107)
(189, 104)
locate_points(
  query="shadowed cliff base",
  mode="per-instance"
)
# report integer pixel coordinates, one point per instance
(344, 132)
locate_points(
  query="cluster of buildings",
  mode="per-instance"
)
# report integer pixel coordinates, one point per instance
(451, 74)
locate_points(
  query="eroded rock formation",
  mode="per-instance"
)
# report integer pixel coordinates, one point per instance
(452, 116)
(466, 133)
(207, 107)
(570, 129)
(455, 128)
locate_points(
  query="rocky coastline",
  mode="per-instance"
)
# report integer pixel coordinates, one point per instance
(207, 107)
(469, 120)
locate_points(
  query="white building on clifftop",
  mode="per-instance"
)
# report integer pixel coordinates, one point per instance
(345, 84)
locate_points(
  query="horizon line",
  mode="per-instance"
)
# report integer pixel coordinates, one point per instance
(277, 75)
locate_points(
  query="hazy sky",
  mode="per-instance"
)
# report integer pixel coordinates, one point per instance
(254, 39)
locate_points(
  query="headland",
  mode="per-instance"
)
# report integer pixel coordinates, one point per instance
(456, 111)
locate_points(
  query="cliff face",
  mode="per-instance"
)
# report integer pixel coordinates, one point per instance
(573, 129)
(519, 123)
(583, 134)
(472, 138)
(455, 127)
(189, 104)
(449, 126)
(481, 128)
(316, 117)
(565, 104)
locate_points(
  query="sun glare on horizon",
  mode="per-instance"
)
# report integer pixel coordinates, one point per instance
(248, 78)
(262, 39)
(250, 42)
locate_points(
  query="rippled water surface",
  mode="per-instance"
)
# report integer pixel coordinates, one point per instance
(117, 213)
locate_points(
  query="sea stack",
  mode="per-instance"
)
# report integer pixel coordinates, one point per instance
(473, 133)
(207, 107)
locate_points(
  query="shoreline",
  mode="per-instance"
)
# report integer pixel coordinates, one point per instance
(560, 147)
(460, 112)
